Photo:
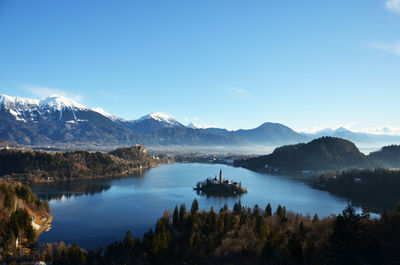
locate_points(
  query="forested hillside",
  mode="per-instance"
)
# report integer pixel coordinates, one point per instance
(389, 156)
(33, 166)
(17, 206)
(377, 189)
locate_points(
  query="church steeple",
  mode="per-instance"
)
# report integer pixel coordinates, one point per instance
(221, 178)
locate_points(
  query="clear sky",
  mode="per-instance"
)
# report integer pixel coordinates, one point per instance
(234, 64)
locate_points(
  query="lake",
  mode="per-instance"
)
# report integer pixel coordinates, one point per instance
(96, 212)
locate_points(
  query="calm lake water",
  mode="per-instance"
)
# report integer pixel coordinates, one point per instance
(94, 213)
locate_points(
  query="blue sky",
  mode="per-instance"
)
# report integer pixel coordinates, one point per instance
(234, 64)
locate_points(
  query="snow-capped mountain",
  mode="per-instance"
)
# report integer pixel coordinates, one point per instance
(153, 122)
(108, 115)
(59, 103)
(20, 108)
(158, 116)
(52, 108)
(56, 119)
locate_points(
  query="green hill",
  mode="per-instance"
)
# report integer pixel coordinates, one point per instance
(326, 153)
(30, 166)
(389, 156)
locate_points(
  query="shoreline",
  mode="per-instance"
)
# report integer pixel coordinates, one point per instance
(37, 179)
(42, 228)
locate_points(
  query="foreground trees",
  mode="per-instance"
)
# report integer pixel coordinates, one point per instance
(250, 236)
(17, 205)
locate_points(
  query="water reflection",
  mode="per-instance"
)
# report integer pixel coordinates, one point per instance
(76, 188)
(72, 191)
(62, 190)
(216, 195)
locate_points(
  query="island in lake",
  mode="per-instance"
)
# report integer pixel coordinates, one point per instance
(219, 186)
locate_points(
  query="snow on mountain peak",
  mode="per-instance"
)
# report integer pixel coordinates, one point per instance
(53, 102)
(16, 105)
(60, 102)
(159, 116)
(106, 114)
(24, 109)
(16, 102)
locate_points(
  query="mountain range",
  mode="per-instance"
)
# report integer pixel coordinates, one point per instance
(59, 121)
(357, 137)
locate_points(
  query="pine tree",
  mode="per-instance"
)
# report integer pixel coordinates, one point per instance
(261, 228)
(213, 220)
(315, 219)
(182, 213)
(256, 211)
(279, 211)
(268, 210)
(224, 208)
(237, 207)
(348, 240)
(195, 207)
(175, 217)
(128, 240)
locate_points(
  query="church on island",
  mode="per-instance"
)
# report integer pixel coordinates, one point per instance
(219, 186)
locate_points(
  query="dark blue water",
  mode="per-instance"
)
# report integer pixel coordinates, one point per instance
(96, 212)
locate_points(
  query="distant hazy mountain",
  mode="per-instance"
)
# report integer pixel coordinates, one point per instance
(188, 136)
(266, 134)
(326, 153)
(357, 137)
(219, 131)
(271, 133)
